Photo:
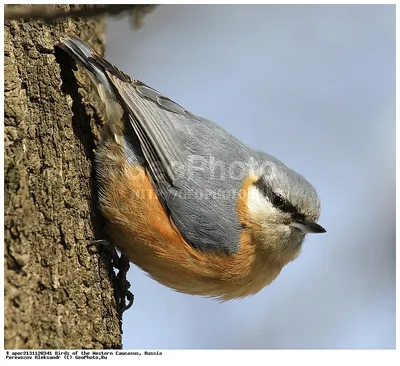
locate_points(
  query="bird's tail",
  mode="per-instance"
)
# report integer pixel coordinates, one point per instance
(102, 74)
(87, 57)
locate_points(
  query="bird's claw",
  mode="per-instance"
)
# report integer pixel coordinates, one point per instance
(122, 264)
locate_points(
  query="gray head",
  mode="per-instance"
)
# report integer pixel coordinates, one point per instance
(283, 205)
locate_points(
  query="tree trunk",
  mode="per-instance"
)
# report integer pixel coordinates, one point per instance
(57, 295)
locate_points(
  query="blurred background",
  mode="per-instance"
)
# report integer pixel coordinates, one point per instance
(314, 86)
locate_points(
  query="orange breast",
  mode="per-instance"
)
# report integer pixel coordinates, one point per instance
(139, 226)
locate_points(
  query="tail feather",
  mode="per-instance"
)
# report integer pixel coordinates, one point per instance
(78, 49)
(87, 57)
(97, 68)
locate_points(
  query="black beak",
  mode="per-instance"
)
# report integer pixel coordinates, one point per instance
(308, 227)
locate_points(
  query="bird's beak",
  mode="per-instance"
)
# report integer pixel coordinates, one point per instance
(308, 227)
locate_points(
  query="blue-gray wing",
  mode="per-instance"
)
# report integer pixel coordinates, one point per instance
(192, 162)
(197, 168)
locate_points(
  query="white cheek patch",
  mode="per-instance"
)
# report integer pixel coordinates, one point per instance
(257, 205)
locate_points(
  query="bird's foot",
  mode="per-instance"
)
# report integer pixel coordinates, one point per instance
(122, 264)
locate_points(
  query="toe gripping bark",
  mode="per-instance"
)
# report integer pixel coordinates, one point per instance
(122, 264)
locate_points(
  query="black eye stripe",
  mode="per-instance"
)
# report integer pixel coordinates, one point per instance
(277, 200)
(283, 204)
(265, 189)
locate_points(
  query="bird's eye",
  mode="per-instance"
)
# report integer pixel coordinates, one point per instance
(278, 201)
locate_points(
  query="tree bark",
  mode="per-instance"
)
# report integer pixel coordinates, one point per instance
(57, 295)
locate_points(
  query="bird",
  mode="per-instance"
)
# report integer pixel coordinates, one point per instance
(190, 204)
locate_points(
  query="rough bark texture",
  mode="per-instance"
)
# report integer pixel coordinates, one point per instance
(57, 295)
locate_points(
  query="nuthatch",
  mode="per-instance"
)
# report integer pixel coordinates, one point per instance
(187, 202)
